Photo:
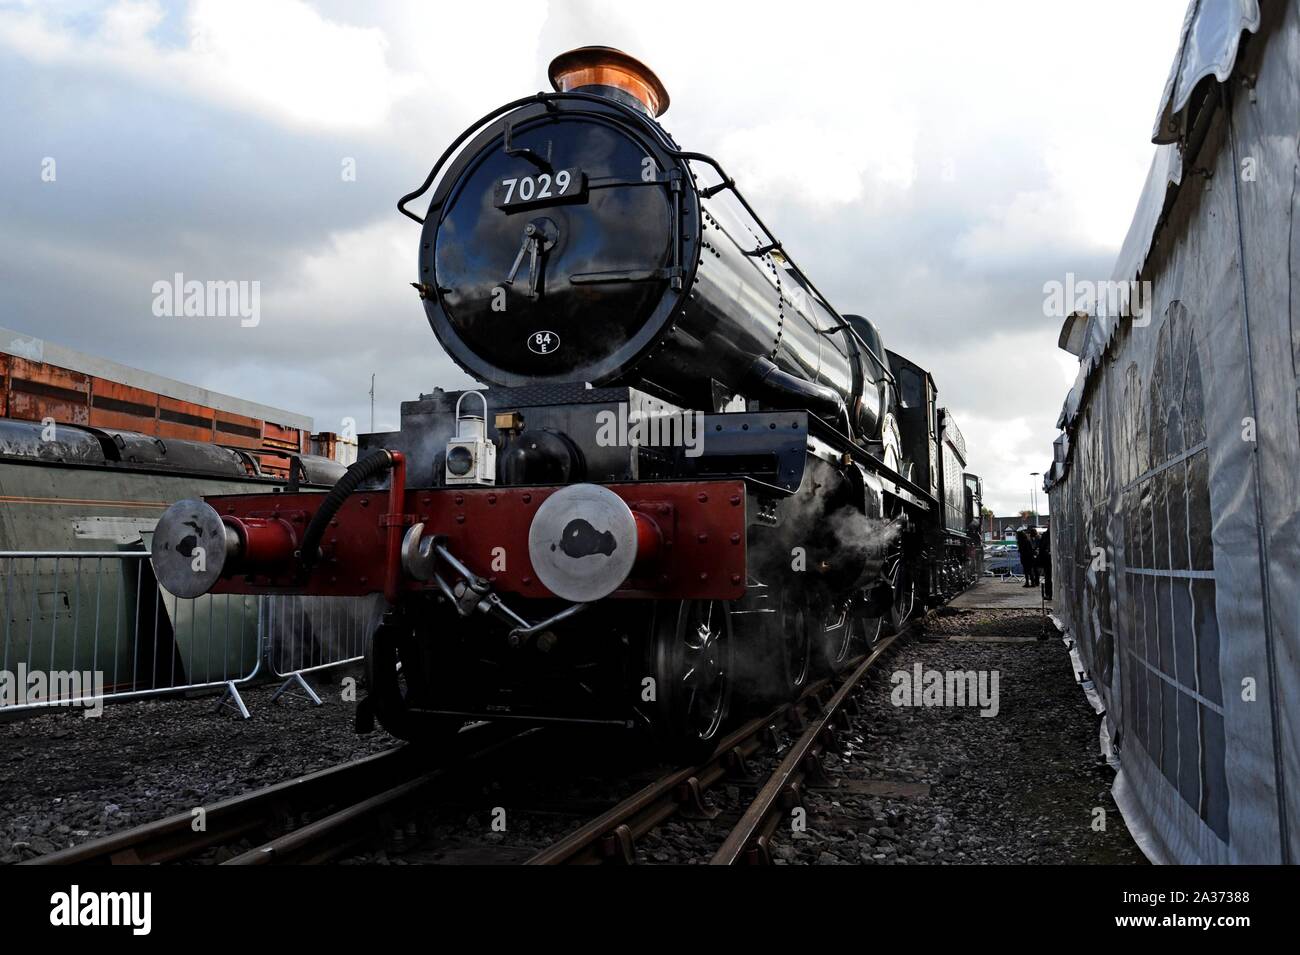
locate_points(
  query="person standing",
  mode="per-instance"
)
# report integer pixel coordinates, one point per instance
(1031, 568)
(1026, 554)
(1045, 562)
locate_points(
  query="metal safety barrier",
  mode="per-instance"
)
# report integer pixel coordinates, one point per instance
(311, 634)
(83, 627)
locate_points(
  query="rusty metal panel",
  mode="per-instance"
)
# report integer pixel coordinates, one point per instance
(38, 391)
(326, 444)
(285, 439)
(238, 431)
(273, 465)
(278, 437)
(34, 390)
(114, 405)
(183, 419)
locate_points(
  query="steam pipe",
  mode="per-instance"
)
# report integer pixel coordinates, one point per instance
(770, 384)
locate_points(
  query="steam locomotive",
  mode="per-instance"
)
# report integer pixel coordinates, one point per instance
(690, 484)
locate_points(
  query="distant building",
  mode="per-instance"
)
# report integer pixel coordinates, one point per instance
(999, 528)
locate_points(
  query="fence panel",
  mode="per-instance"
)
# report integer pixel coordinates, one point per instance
(83, 625)
(314, 633)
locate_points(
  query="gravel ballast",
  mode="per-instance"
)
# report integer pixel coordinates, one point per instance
(947, 785)
(914, 784)
(943, 784)
(67, 779)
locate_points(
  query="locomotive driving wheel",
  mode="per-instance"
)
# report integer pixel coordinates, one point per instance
(796, 635)
(837, 629)
(867, 629)
(398, 668)
(904, 603)
(774, 644)
(691, 660)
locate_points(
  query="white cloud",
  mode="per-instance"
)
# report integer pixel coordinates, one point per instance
(1004, 391)
(822, 160)
(277, 58)
(354, 272)
(1085, 204)
(1009, 451)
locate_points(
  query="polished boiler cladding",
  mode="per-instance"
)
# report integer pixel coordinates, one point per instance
(691, 486)
(571, 241)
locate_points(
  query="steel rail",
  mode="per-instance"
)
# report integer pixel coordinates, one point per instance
(331, 836)
(612, 835)
(175, 838)
(369, 787)
(747, 841)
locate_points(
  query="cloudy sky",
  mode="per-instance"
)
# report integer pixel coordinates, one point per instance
(929, 169)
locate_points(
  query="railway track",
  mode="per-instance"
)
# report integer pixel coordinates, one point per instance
(612, 836)
(344, 800)
(343, 807)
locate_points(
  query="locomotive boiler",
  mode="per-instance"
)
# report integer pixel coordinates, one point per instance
(689, 480)
(570, 241)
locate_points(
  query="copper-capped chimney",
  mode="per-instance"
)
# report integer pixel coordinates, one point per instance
(609, 72)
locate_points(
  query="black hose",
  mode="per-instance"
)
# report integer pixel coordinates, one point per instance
(366, 468)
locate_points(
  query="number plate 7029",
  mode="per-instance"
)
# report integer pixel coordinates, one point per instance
(543, 188)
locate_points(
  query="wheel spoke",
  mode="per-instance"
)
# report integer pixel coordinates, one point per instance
(692, 654)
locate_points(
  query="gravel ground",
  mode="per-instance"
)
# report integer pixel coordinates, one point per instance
(943, 785)
(915, 784)
(946, 785)
(545, 787)
(65, 779)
